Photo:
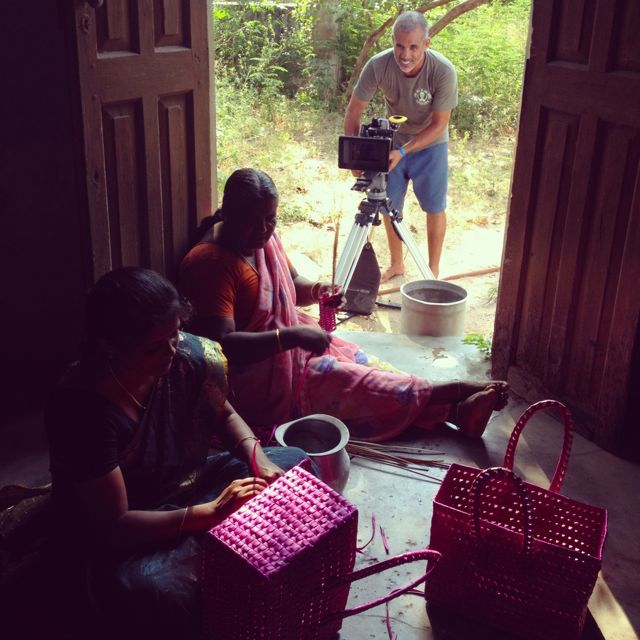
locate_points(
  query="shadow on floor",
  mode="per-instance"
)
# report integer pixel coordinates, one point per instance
(450, 626)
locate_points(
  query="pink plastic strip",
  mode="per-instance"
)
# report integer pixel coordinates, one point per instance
(373, 534)
(385, 542)
(561, 469)
(392, 636)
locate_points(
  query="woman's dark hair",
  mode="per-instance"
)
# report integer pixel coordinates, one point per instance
(125, 304)
(244, 190)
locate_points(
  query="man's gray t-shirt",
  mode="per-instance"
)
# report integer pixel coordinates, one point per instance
(435, 88)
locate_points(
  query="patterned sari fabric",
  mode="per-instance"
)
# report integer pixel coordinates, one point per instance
(158, 457)
(374, 402)
(166, 455)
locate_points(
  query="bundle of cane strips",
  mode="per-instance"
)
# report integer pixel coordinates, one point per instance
(398, 456)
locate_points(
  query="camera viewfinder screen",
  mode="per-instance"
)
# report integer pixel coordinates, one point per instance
(367, 154)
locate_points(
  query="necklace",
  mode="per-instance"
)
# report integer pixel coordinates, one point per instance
(250, 260)
(135, 400)
(218, 239)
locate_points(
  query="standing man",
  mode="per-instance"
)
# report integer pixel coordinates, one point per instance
(422, 85)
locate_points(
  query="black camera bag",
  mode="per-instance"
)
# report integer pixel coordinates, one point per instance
(363, 289)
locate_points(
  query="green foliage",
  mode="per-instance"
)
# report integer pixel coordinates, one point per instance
(487, 47)
(357, 20)
(262, 46)
(492, 295)
(274, 135)
(483, 343)
(268, 49)
(247, 129)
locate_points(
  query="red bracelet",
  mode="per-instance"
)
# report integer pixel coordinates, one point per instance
(237, 444)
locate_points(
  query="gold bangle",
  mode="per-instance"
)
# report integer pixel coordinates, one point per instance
(315, 291)
(237, 444)
(278, 339)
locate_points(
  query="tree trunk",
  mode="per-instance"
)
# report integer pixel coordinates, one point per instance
(325, 44)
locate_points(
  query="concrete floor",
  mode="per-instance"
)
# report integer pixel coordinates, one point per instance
(402, 501)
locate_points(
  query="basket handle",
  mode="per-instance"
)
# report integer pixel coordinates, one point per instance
(481, 481)
(561, 469)
(404, 558)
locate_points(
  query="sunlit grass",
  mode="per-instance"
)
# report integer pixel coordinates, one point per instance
(298, 147)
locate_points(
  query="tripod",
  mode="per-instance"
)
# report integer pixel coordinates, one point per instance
(368, 214)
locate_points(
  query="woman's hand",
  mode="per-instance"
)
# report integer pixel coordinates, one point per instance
(311, 339)
(234, 496)
(267, 470)
(334, 298)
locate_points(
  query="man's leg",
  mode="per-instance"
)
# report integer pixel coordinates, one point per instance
(429, 174)
(396, 190)
(396, 267)
(436, 229)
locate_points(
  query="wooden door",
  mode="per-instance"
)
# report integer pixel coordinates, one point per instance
(146, 90)
(569, 301)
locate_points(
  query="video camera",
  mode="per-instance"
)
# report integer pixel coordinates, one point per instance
(370, 150)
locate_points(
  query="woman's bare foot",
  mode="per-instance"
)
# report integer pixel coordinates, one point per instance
(502, 389)
(392, 272)
(472, 414)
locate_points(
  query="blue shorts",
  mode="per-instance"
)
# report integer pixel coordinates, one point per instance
(428, 170)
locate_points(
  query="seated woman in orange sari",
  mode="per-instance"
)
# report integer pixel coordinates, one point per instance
(282, 365)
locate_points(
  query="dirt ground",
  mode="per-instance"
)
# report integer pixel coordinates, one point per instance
(471, 244)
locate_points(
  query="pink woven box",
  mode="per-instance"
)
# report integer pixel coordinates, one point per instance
(514, 555)
(270, 568)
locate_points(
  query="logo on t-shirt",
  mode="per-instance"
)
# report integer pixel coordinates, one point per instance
(422, 96)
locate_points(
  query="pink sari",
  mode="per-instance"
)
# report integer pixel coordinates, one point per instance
(374, 404)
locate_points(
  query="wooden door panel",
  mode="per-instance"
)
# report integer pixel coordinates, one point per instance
(117, 28)
(543, 308)
(625, 54)
(144, 67)
(172, 26)
(571, 251)
(571, 41)
(602, 257)
(122, 139)
(175, 117)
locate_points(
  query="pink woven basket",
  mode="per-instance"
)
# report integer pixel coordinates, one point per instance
(516, 556)
(281, 566)
(327, 319)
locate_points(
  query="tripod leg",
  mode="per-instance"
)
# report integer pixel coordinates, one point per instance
(351, 254)
(347, 253)
(407, 238)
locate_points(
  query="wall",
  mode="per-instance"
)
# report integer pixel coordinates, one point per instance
(41, 255)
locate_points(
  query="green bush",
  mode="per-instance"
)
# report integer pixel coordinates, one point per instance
(356, 21)
(487, 47)
(268, 51)
(262, 46)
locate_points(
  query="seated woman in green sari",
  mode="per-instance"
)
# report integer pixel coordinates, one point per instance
(130, 429)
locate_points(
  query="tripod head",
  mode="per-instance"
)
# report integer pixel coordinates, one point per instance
(376, 201)
(373, 184)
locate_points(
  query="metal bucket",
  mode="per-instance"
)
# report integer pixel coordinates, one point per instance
(432, 308)
(324, 439)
